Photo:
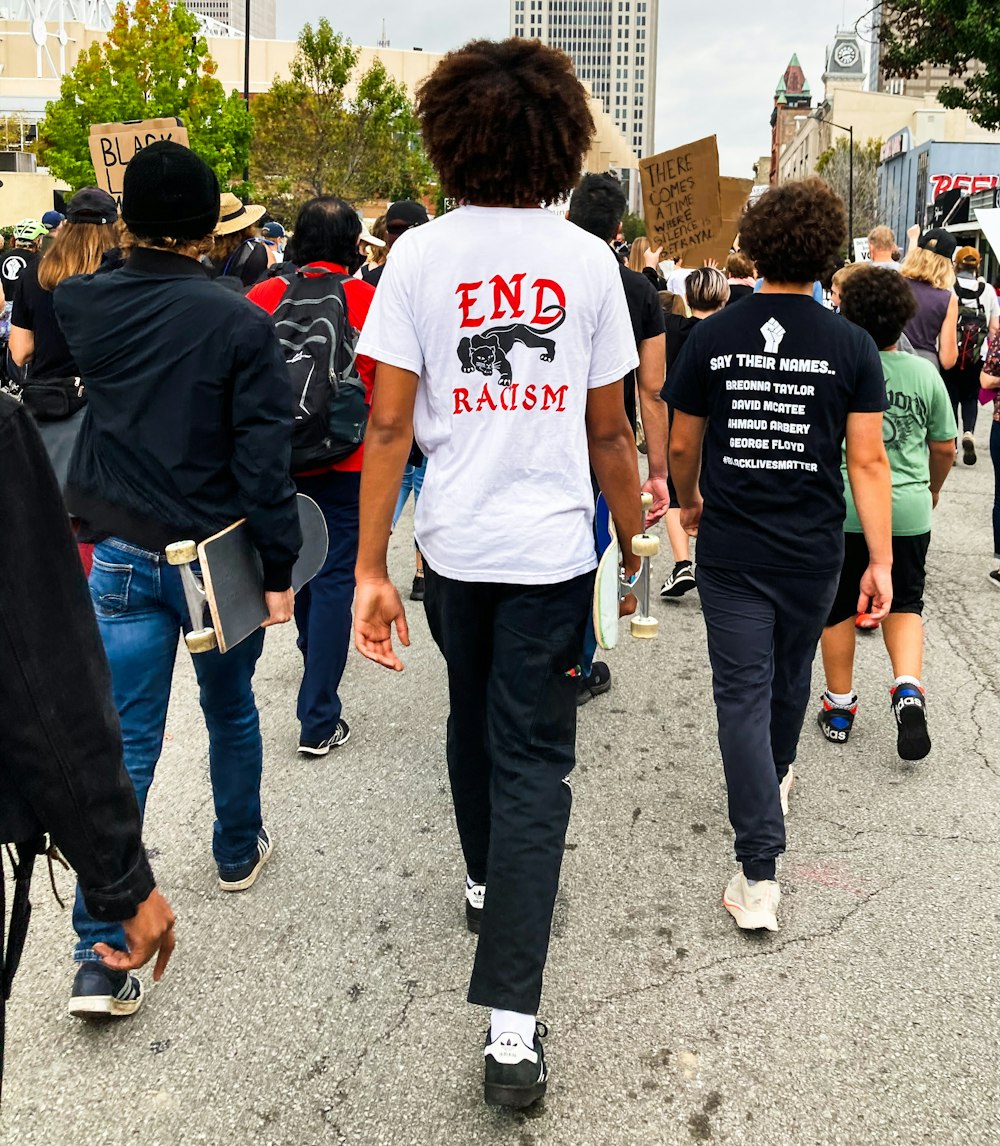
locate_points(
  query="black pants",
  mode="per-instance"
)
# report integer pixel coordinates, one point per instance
(511, 747)
(763, 629)
(963, 392)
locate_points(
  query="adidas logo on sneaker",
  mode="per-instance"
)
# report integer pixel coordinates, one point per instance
(836, 721)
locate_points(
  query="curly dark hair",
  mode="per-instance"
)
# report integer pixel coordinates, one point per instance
(880, 301)
(795, 232)
(505, 123)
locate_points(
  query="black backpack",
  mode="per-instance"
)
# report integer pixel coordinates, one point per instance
(972, 324)
(319, 343)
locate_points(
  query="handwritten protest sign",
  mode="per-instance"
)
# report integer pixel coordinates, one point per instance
(735, 194)
(683, 203)
(113, 146)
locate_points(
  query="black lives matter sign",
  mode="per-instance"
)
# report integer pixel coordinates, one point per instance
(114, 145)
(683, 202)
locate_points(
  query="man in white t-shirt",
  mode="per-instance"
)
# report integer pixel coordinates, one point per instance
(502, 336)
(678, 276)
(882, 248)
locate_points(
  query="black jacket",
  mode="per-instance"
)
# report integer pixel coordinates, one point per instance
(61, 767)
(190, 411)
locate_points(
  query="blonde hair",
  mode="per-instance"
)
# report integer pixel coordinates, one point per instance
(636, 260)
(927, 267)
(673, 303)
(76, 249)
(840, 277)
(882, 238)
(706, 289)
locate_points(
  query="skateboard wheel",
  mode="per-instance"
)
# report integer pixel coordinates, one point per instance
(644, 627)
(644, 545)
(201, 640)
(647, 502)
(181, 553)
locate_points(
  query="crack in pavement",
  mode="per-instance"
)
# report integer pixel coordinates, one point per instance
(764, 953)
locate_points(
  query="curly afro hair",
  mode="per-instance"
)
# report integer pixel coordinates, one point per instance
(880, 301)
(795, 233)
(505, 123)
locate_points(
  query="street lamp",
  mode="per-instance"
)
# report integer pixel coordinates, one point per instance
(850, 179)
(246, 78)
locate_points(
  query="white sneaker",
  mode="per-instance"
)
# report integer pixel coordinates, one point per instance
(754, 908)
(784, 788)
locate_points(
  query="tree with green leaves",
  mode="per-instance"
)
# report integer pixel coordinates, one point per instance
(834, 166)
(952, 34)
(328, 131)
(633, 227)
(154, 63)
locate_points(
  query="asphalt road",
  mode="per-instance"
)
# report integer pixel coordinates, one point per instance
(327, 1005)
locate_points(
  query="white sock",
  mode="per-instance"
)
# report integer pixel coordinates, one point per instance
(503, 1021)
(841, 699)
(470, 883)
(906, 680)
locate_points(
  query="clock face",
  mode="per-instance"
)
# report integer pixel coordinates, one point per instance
(846, 55)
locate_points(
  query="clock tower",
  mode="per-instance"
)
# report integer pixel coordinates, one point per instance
(844, 64)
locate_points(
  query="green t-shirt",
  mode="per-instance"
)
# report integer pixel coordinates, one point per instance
(919, 411)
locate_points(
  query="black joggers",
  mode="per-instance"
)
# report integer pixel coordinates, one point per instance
(511, 746)
(763, 629)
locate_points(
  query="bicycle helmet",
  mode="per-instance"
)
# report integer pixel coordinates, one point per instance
(29, 231)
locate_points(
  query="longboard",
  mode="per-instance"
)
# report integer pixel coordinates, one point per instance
(611, 587)
(231, 579)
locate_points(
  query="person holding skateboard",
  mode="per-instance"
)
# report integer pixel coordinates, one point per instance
(770, 390)
(502, 337)
(188, 428)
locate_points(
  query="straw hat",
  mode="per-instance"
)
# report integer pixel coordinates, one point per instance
(235, 216)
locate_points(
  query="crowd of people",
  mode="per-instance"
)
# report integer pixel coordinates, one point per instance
(506, 358)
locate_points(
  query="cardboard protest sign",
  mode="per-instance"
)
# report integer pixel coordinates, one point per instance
(683, 203)
(735, 194)
(113, 146)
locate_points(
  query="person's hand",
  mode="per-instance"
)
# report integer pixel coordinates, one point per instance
(630, 566)
(149, 932)
(712, 264)
(377, 607)
(661, 499)
(691, 517)
(280, 607)
(913, 233)
(935, 497)
(652, 258)
(876, 587)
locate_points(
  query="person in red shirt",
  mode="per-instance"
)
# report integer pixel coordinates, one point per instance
(326, 236)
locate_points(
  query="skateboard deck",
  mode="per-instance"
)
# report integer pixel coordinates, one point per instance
(231, 581)
(611, 586)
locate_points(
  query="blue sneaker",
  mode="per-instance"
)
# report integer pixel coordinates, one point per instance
(245, 876)
(100, 993)
(909, 707)
(835, 720)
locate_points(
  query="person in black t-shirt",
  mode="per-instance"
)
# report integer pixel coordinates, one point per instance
(770, 390)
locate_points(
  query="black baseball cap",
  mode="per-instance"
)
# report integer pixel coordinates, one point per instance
(405, 214)
(91, 205)
(939, 242)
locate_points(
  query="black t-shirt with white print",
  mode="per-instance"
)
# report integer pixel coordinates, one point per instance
(776, 378)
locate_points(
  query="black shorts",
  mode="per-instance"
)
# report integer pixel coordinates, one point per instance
(909, 557)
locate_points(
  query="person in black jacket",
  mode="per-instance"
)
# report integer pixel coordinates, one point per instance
(61, 770)
(188, 428)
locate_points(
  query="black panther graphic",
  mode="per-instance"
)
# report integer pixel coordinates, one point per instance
(488, 350)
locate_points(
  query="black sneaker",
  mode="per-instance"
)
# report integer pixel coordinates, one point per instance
(679, 582)
(836, 721)
(341, 735)
(417, 592)
(474, 897)
(909, 707)
(245, 876)
(994, 576)
(587, 687)
(515, 1073)
(99, 993)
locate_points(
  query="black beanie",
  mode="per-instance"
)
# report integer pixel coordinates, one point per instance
(169, 192)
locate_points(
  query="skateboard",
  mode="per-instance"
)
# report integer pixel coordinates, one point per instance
(611, 586)
(231, 579)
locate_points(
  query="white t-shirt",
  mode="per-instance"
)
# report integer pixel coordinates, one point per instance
(508, 317)
(677, 278)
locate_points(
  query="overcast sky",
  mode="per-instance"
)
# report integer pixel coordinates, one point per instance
(716, 74)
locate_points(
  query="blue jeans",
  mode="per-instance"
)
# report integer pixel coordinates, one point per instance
(413, 479)
(323, 607)
(140, 610)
